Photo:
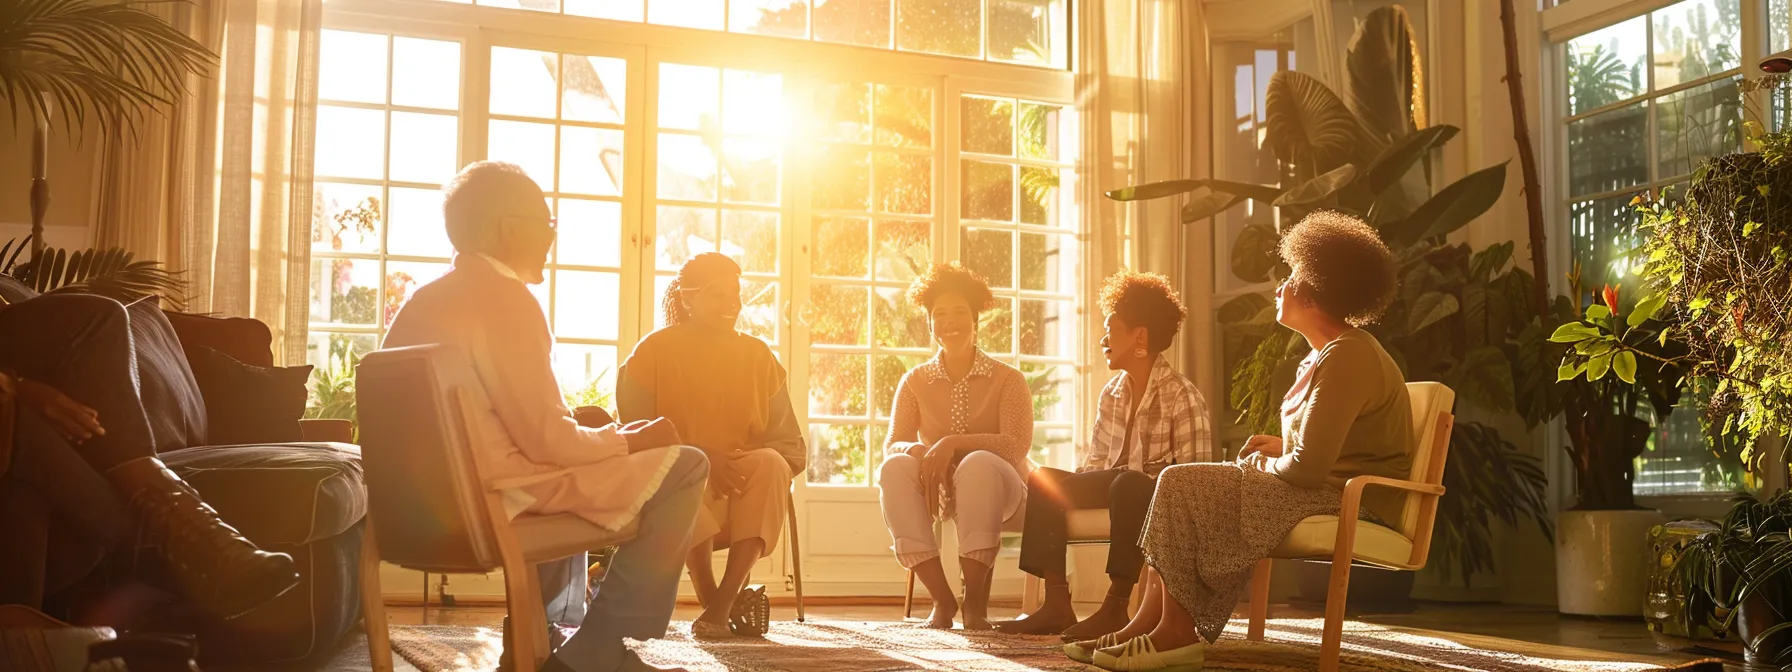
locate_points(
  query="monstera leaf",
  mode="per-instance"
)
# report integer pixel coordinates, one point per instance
(1387, 83)
(1308, 126)
(1254, 253)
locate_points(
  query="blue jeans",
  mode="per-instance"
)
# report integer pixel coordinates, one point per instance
(640, 588)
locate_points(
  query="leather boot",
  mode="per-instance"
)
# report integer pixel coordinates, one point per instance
(199, 556)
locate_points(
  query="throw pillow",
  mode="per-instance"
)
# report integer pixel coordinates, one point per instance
(249, 404)
(171, 397)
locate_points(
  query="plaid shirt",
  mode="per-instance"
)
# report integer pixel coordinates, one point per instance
(1171, 426)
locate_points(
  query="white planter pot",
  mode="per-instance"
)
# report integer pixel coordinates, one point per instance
(1603, 561)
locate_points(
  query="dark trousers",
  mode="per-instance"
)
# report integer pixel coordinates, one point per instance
(1053, 493)
(61, 513)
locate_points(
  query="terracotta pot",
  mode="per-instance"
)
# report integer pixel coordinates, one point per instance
(1603, 561)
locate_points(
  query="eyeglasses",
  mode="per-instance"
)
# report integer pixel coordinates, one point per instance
(552, 221)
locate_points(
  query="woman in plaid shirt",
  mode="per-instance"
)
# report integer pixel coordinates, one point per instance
(1149, 418)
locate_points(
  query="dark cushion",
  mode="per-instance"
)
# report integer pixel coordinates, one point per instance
(246, 340)
(291, 494)
(14, 291)
(249, 404)
(171, 397)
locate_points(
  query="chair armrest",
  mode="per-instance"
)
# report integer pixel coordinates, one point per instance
(1351, 507)
(522, 481)
(339, 431)
(1356, 485)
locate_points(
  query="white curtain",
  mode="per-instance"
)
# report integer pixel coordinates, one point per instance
(220, 188)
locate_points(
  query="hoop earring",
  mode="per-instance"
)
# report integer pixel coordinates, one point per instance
(1139, 353)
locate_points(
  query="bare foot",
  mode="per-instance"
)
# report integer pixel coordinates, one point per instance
(1049, 619)
(977, 622)
(1111, 617)
(942, 615)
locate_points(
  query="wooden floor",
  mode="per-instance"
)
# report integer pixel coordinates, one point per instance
(1539, 631)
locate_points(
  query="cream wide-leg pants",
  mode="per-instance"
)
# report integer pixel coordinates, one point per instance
(758, 511)
(990, 498)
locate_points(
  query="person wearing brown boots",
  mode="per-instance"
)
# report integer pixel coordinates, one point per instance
(83, 482)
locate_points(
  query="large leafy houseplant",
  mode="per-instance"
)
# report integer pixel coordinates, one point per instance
(1741, 575)
(1461, 316)
(89, 60)
(113, 272)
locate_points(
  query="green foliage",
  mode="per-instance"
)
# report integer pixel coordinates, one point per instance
(1461, 316)
(1722, 258)
(113, 273)
(594, 393)
(1747, 559)
(333, 388)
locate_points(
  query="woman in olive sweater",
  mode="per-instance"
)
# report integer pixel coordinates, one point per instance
(1346, 415)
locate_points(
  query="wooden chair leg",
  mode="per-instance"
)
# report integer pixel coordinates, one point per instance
(528, 620)
(373, 603)
(1335, 595)
(796, 555)
(908, 598)
(1259, 599)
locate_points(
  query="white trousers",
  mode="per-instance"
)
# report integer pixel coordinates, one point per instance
(990, 497)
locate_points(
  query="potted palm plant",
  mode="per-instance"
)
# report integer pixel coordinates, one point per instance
(87, 60)
(1461, 314)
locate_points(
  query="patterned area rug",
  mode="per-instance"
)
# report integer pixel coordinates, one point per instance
(859, 646)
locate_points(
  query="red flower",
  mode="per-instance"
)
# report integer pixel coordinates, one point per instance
(1611, 299)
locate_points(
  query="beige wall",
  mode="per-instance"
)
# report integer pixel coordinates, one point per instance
(71, 183)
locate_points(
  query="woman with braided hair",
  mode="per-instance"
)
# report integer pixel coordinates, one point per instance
(725, 391)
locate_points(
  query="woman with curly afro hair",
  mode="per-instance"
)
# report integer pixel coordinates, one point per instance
(960, 431)
(1148, 417)
(1346, 415)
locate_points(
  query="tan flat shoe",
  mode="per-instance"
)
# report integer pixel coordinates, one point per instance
(709, 632)
(1084, 651)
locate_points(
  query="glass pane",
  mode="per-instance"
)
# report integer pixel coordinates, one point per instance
(1020, 31)
(784, 18)
(995, 334)
(836, 384)
(683, 233)
(838, 454)
(1054, 391)
(590, 233)
(523, 82)
(1782, 109)
(751, 171)
(843, 112)
(988, 191)
(425, 147)
(1047, 262)
(332, 352)
(585, 304)
(596, 89)
(1599, 233)
(541, 292)
(1697, 124)
(1696, 39)
(687, 169)
(616, 10)
(660, 284)
(416, 221)
(989, 254)
(587, 374)
(895, 322)
(886, 374)
(1606, 66)
(350, 143)
(950, 27)
(841, 246)
(526, 144)
(842, 179)
(838, 316)
(1608, 151)
(861, 22)
(425, 73)
(403, 278)
(550, 6)
(352, 67)
(904, 183)
(760, 312)
(1047, 328)
(751, 239)
(753, 103)
(690, 97)
(345, 217)
(988, 125)
(590, 161)
(706, 14)
(1039, 131)
(1039, 196)
(1779, 20)
(904, 116)
(1054, 446)
(904, 249)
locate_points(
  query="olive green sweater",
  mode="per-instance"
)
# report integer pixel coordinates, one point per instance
(1348, 415)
